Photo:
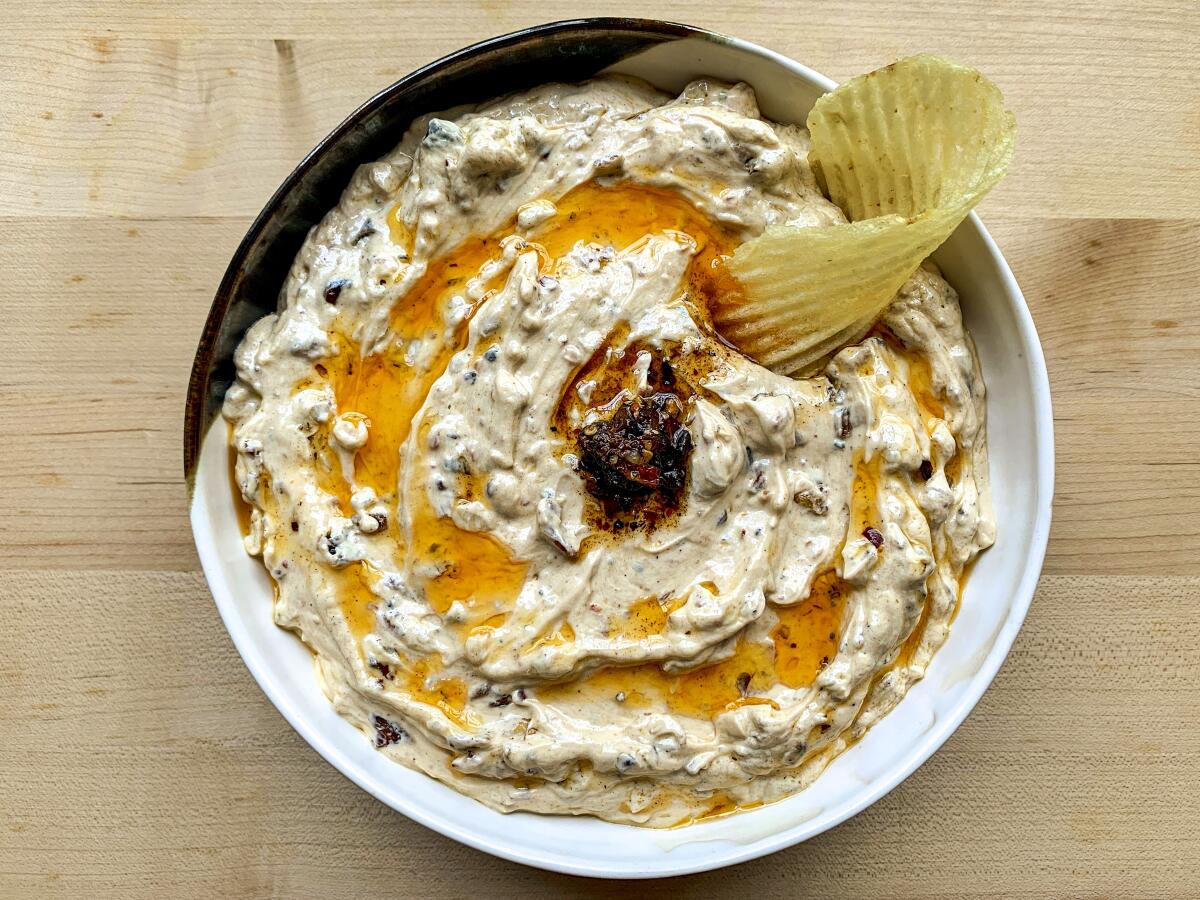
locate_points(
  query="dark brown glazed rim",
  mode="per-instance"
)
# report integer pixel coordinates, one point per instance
(571, 50)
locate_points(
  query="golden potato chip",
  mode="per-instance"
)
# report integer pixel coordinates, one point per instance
(906, 152)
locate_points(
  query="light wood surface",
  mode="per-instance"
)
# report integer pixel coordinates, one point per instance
(137, 756)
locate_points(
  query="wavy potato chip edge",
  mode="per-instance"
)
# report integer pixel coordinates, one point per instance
(906, 151)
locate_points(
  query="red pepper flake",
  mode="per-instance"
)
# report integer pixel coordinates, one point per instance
(873, 535)
(844, 426)
(387, 732)
(333, 290)
(384, 669)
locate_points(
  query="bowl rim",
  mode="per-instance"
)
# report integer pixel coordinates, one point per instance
(196, 432)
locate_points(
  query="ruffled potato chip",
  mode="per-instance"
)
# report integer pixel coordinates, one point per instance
(906, 152)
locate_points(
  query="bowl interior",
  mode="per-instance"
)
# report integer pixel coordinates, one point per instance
(993, 607)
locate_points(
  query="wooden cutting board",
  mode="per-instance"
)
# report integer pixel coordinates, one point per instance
(137, 756)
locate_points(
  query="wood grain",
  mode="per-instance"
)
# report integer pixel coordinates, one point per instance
(152, 766)
(218, 100)
(138, 758)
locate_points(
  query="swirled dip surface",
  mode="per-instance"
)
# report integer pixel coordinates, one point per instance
(449, 437)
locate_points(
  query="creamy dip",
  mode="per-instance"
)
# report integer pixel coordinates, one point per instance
(408, 428)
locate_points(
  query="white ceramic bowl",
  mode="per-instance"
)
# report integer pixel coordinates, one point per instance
(993, 606)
